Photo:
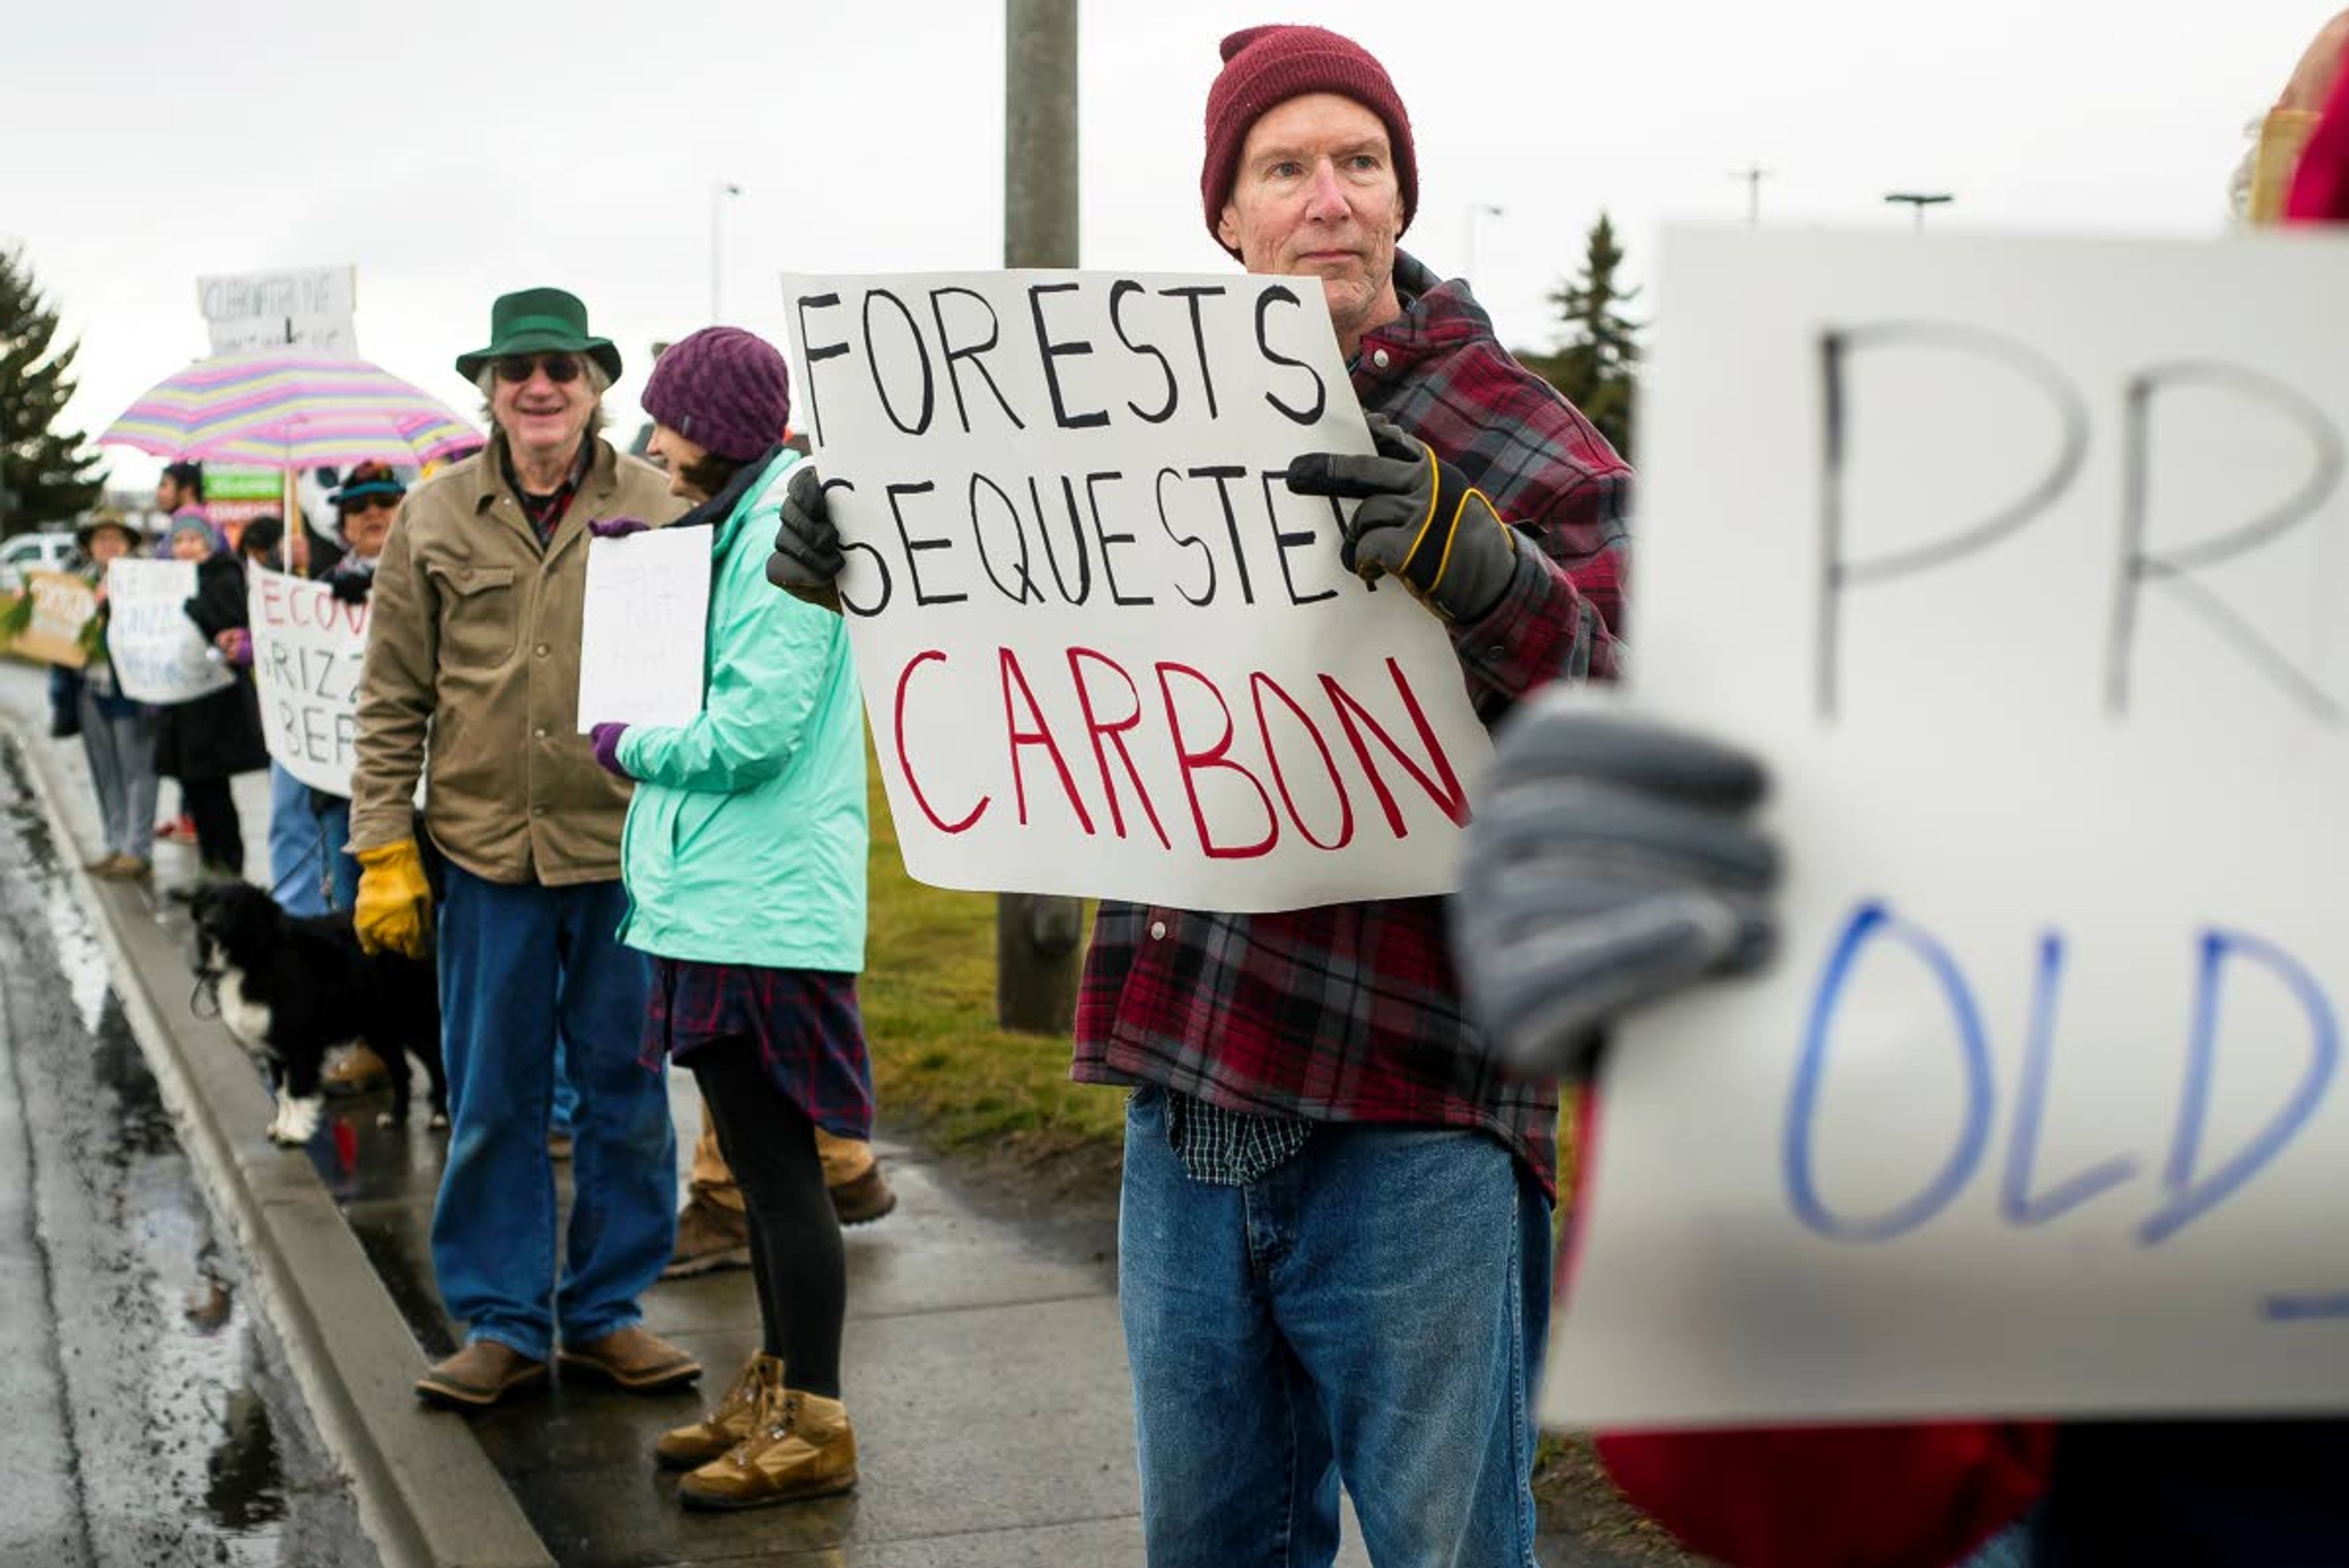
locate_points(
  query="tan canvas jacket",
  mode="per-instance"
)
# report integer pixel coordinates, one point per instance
(473, 650)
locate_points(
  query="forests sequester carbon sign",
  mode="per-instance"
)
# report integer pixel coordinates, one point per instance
(1091, 617)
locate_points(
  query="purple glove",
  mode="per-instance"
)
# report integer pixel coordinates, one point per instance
(617, 528)
(236, 645)
(606, 740)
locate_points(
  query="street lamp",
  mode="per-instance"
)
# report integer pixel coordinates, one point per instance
(719, 190)
(1752, 174)
(1468, 236)
(1917, 201)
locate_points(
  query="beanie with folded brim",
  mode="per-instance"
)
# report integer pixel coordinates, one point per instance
(1264, 68)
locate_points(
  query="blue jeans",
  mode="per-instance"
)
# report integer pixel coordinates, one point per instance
(1374, 1309)
(121, 752)
(524, 968)
(308, 872)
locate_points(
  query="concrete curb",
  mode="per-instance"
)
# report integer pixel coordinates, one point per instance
(427, 1494)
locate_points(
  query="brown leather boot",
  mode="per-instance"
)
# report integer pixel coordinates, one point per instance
(634, 1358)
(479, 1375)
(683, 1447)
(802, 1447)
(862, 1199)
(353, 1069)
(709, 1236)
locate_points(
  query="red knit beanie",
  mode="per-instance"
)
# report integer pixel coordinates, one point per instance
(726, 391)
(1266, 66)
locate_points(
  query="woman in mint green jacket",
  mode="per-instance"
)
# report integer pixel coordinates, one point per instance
(744, 862)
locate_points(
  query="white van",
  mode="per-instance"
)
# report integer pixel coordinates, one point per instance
(32, 553)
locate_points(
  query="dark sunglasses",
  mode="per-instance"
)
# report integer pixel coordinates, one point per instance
(376, 502)
(516, 368)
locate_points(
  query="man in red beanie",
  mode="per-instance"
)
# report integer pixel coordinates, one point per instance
(1334, 1251)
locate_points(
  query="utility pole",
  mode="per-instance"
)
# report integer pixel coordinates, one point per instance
(1752, 174)
(1038, 937)
(719, 190)
(1917, 201)
(1468, 236)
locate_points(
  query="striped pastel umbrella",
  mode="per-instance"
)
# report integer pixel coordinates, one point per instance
(292, 411)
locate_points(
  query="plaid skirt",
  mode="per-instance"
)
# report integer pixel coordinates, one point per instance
(805, 1023)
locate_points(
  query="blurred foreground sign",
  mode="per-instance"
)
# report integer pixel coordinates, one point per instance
(2026, 566)
(643, 627)
(1104, 650)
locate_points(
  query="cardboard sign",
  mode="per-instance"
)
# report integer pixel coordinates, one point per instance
(2030, 587)
(292, 307)
(158, 655)
(1104, 649)
(642, 631)
(62, 605)
(308, 647)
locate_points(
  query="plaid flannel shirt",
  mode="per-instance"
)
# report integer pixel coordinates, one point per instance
(1350, 1013)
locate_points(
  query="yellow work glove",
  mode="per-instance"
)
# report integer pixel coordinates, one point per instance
(395, 905)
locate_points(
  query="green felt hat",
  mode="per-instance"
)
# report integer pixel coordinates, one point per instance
(537, 321)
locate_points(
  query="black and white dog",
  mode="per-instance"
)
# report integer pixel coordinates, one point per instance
(291, 988)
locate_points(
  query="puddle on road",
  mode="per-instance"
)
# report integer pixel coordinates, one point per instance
(168, 1385)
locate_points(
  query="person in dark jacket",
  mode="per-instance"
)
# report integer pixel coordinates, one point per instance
(206, 742)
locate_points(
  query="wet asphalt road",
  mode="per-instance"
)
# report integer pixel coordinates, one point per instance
(143, 1417)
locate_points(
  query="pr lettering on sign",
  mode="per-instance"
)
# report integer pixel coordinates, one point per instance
(1104, 650)
(2028, 587)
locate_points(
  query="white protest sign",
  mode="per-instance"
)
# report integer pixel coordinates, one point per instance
(2024, 566)
(641, 633)
(308, 647)
(294, 308)
(1104, 649)
(158, 655)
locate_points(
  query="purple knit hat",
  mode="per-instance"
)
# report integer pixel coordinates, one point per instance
(1265, 68)
(724, 389)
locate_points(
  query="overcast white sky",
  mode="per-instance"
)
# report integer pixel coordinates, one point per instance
(455, 151)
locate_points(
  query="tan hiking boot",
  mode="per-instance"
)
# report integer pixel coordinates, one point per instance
(353, 1070)
(634, 1358)
(865, 1199)
(802, 1447)
(479, 1375)
(683, 1447)
(709, 1236)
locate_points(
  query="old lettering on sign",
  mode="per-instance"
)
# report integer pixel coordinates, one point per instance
(1104, 650)
(2029, 586)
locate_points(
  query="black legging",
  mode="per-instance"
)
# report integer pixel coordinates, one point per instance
(795, 1253)
(220, 837)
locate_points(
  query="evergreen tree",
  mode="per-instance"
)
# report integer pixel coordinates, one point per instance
(1596, 361)
(46, 474)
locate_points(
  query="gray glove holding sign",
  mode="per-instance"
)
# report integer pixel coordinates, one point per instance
(1613, 861)
(1420, 521)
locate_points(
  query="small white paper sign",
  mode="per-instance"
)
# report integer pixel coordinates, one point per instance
(2028, 581)
(1104, 650)
(645, 619)
(308, 647)
(158, 655)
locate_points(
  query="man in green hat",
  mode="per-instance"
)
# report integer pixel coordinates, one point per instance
(473, 681)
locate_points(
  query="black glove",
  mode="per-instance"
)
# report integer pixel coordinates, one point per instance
(351, 588)
(807, 560)
(1611, 862)
(1419, 519)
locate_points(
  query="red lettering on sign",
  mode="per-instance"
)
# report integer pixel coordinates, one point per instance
(1194, 760)
(1449, 798)
(905, 765)
(1007, 663)
(1115, 732)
